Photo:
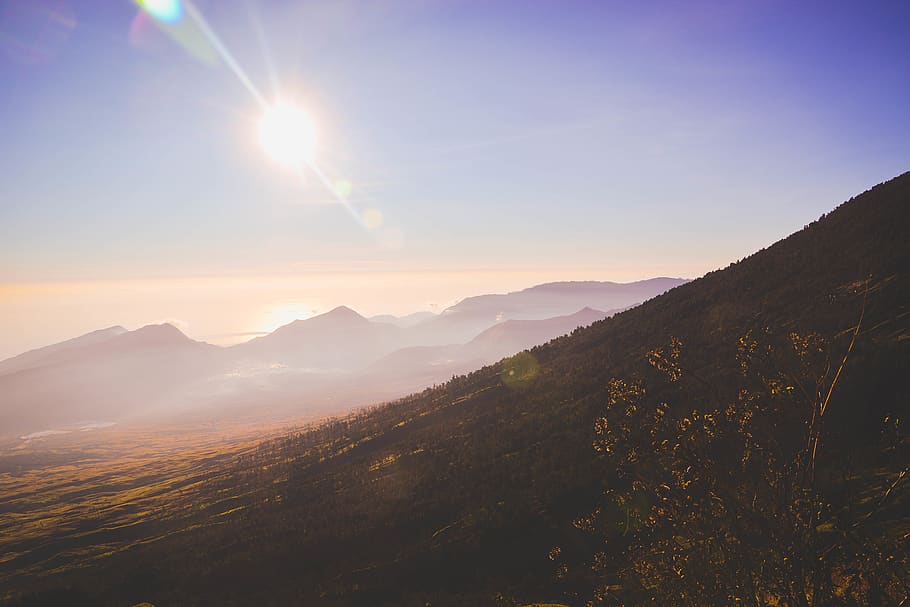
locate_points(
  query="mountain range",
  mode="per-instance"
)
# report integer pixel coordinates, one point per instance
(313, 366)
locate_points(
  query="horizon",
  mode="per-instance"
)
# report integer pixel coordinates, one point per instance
(286, 315)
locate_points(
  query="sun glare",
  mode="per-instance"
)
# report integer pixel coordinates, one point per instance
(165, 10)
(288, 135)
(283, 313)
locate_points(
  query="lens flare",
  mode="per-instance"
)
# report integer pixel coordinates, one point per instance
(288, 135)
(286, 132)
(372, 219)
(520, 371)
(169, 11)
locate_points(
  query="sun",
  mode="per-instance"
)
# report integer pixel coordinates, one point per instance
(288, 135)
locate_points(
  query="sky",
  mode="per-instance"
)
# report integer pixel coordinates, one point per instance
(492, 145)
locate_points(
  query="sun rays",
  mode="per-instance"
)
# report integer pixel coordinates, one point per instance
(286, 131)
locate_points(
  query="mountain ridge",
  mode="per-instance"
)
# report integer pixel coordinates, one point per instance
(328, 361)
(34, 356)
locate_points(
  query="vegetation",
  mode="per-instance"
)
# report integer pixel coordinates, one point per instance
(735, 502)
(458, 495)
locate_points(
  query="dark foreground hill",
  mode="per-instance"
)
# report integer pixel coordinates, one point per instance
(458, 493)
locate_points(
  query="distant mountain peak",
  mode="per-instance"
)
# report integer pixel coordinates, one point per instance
(162, 328)
(342, 311)
(337, 314)
(156, 334)
(341, 315)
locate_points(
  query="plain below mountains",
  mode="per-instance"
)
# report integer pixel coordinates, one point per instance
(309, 367)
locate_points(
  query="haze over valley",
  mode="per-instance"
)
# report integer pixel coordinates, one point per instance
(307, 369)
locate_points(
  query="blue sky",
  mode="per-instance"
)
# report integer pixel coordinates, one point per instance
(610, 139)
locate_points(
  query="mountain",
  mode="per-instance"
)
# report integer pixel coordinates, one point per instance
(550, 299)
(418, 366)
(339, 339)
(48, 354)
(339, 360)
(469, 317)
(460, 492)
(513, 336)
(104, 377)
(344, 340)
(324, 364)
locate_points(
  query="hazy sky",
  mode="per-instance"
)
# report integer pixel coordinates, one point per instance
(504, 143)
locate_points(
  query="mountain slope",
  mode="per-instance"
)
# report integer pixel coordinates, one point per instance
(344, 340)
(308, 367)
(549, 299)
(104, 380)
(49, 354)
(418, 366)
(469, 317)
(513, 336)
(451, 495)
(339, 339)
(483, 479)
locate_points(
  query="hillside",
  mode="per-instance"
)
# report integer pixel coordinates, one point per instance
(452, 495)
(513, 336)
(54, 352)
(103, 376)
(340, 338)
(414, 367)
(465, 320)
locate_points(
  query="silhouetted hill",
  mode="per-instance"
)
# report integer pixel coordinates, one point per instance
(451, 495)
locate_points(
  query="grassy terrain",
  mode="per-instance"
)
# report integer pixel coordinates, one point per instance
(73, 500)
